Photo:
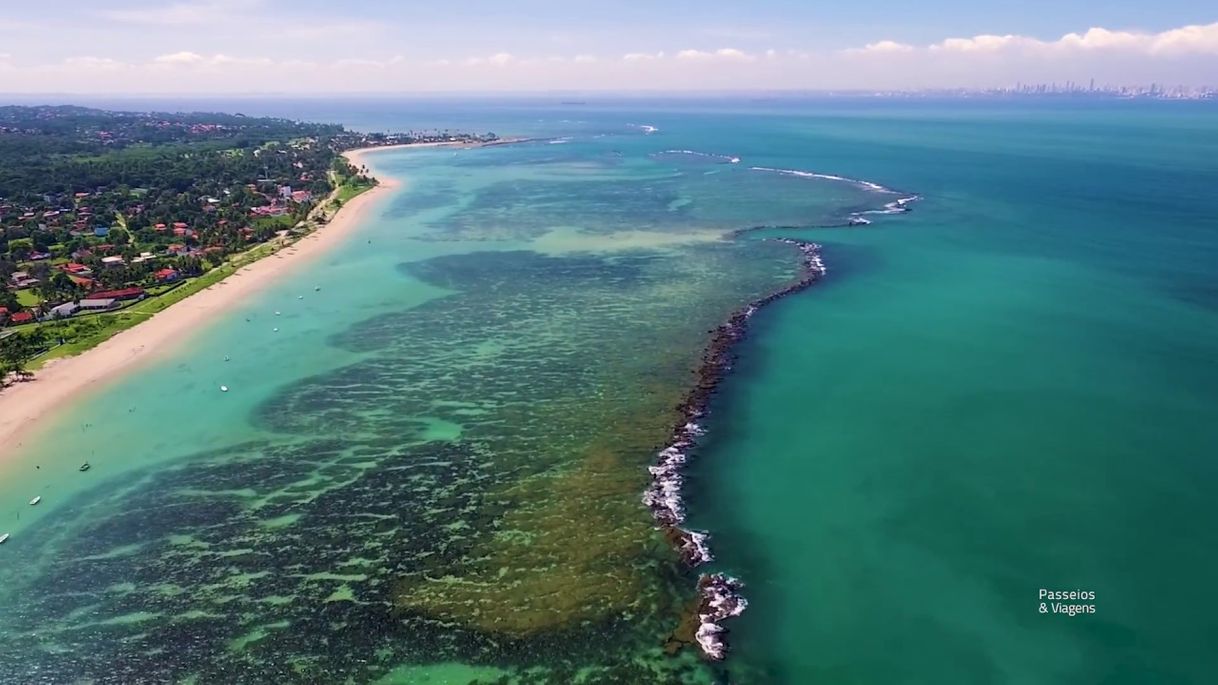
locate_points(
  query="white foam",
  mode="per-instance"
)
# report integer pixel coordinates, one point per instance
(896, 206)
(721, 600)
(726, 159)
(663, 496)
(696, 549)
(869, 185)
(708, 638)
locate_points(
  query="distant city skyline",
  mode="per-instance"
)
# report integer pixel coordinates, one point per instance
(377, 46)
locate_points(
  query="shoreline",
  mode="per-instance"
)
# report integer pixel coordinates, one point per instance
(26, 406)
(356, 156)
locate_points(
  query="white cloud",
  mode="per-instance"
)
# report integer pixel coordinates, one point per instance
(180, 58)
(984, 43)
(734, 54)
(883, 47)
(642, 56)
(229, 60)
(498, 59)
(722, 53)
(1194, 39)
(1098, 38)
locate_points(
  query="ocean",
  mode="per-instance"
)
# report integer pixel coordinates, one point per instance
(431, 464)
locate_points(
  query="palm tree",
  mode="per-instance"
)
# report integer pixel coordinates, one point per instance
(16, 351)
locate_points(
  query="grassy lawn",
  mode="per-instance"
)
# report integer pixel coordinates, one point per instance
(110, 324)
(27, 298)
(349, 190)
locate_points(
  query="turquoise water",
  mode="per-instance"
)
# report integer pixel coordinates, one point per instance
(1010, 389)
(432, 471)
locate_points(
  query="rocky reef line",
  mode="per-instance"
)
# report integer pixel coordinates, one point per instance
(719, 596)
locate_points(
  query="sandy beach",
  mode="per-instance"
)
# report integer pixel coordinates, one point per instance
(25, 405)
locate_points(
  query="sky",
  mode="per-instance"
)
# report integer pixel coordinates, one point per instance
(402, 46)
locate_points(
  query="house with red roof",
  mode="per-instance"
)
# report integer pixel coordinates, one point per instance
(269, 210)
(20, 318)
(135, 293)
(167, 275)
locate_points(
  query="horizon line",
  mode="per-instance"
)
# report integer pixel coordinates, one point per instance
(666, 93)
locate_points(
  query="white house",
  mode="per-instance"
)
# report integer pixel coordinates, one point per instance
(106, 303)
(63, 311)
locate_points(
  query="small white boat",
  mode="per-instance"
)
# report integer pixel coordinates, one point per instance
(276, 313)
(36, 500)
(274, 330)
(4, 538)
(300, 297)
(316, 288)
(223, 388)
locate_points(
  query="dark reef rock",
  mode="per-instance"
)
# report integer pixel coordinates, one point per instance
(719, 595)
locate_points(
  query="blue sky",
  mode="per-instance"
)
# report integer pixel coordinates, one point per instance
(368, 45)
